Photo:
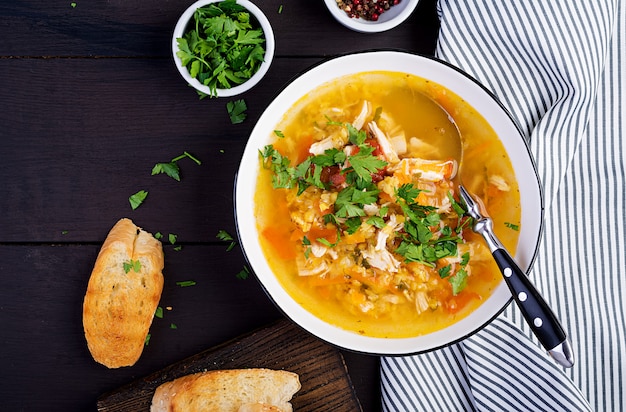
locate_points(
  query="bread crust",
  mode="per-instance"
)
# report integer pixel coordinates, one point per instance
(232, 390)
(119, 306)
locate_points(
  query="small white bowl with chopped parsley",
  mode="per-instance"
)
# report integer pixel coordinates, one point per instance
(223, 47)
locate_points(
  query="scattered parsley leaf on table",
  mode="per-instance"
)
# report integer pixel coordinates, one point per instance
(172, 238)
(137, 199)
(243, 274)
(237, 111)
(171, 168)
(226, 237)
(186, 283)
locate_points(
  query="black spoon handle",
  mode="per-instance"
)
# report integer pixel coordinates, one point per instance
(534, 308)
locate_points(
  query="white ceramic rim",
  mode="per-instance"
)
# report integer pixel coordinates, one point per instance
(179, 30)
(387, 20)
(461, 84)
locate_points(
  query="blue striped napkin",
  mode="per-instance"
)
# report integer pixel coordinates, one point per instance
(560, 68)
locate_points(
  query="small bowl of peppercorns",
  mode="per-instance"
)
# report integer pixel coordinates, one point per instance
(370, 16)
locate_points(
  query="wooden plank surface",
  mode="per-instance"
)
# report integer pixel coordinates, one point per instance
(90, 100)
(135, 28)
(323, 375)
(128, 115)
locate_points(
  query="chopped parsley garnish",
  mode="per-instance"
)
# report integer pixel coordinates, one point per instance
(426, 235)
(307, 243)
(512, 226)
(172, 238)
(186, 283)
(308, 173)
(159, 312)
(171, 168)
(237, 111)
(226, 237)
(135, 265)
(137, 199)
(243, 274)
(458, 281)
(222, 49)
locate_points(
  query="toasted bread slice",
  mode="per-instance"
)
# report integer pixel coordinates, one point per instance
(120, 301)
(234, 390)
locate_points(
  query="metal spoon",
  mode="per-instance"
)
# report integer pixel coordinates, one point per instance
(542, 320)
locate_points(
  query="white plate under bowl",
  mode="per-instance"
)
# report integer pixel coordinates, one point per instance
(468, 89)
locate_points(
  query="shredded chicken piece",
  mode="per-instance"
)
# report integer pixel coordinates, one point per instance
(381, 259)
(371, 209)
(366, 110)
(499, 182)
(316, 267)
(318, 250)
(383, 234)
(428, 170)
(385, 145)
(421, 302)
(336, 140)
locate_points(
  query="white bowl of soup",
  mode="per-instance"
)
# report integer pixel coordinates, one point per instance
(347, 202)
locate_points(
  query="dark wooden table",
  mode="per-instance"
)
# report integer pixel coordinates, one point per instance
(90, 100)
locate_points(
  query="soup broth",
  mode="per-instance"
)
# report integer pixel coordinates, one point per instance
(389, 255)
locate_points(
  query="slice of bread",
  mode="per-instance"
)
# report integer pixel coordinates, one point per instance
(120, 301)
(231, 390)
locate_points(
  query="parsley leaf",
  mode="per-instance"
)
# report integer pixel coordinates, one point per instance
(237, 111)
(137, 199)
(172, 238)
(243, 274)
(135, 265)
(445, 271)
(376, 221)
(458, 281)
(356, 137)
(350, 201)
(364, 163)
(226, 237)
(511, 226)
(171, 168)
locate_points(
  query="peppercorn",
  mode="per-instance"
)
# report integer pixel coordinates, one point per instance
(366, 9)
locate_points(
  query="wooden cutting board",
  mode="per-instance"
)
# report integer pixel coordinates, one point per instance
(326, 385)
